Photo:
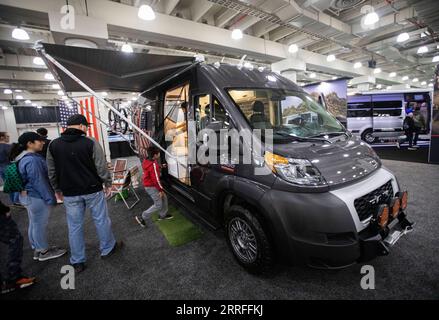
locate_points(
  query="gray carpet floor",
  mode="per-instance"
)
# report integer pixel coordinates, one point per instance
(148, 268)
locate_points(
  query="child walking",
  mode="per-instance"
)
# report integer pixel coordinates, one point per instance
(153, 187)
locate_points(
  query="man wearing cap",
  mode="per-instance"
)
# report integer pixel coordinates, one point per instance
(78, 172)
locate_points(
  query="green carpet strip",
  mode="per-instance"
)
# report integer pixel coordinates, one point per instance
(179, 230)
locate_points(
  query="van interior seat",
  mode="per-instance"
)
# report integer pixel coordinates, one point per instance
(258, 119)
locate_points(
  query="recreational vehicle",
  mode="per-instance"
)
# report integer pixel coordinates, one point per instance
(324, 200)
(378, 115)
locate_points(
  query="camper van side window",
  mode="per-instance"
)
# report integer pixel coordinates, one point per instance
(219, 114)
(202, 111)
(359, 109)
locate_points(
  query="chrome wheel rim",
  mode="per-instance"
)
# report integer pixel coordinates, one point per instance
(369, 137)
(243, 240)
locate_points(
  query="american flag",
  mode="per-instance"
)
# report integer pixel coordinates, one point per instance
(65, 111)
(86, 107)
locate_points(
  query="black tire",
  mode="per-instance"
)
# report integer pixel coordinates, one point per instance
(368, 137)
(260, 260)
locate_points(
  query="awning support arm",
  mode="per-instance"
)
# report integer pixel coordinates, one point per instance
(108, 105)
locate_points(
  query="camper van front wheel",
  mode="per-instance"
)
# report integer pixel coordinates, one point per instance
(248, 241)
(368, 136)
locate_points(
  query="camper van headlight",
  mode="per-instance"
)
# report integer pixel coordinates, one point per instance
(298, 171)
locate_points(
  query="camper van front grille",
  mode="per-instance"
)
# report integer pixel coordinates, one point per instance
(369, 203)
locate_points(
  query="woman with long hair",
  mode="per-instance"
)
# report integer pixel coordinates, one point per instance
(38, 196)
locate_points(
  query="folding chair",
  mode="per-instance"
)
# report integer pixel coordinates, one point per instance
(122, 181)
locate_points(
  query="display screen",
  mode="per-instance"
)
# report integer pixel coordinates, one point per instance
(334, 94)
(24, 115)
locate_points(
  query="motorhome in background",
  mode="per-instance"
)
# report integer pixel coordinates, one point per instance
(379, 115)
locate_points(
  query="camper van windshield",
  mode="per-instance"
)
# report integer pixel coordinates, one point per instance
(288, 113)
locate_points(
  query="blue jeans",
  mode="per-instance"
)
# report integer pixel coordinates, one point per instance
(75, 210)
(38, 212)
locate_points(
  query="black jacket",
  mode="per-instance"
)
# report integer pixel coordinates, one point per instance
(409, 124)
(77, 164)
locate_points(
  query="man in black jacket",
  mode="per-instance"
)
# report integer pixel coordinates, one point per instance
(77, 171)
(10, 236)
(410, 131)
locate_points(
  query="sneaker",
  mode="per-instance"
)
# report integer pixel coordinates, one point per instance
(412, 148)
(167, 217)
(36, 255)
(24, 282)
(140, 221)
(415, 146)
(79, 267)
(398, 145)
(117, 247)
(51, 253)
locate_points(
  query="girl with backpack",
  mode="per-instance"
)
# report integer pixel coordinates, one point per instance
(37, 194)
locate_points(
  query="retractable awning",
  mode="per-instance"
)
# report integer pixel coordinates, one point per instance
(80, 69)
(113, 70)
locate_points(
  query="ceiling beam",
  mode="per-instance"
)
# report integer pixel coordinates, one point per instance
(225, 17)
(199, 8)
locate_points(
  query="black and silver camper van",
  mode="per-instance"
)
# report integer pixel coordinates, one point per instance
(302, 190)
(326, 201)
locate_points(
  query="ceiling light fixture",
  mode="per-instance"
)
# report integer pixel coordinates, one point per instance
(430, 84)
(237, 34)
(49, 76)
(371, 18)
(357, 65)
(146, 13)
(56, 86)
(435, 59)
(402, 37)
(38, 61)
(19, 97)
(405, 78)
(330, 58)
(423, 83)
(60, 92)
(415, 80)
(20, 34)
(27, 101)
(423, 49)
(7, 91)
(127, 48)
(392, 74)
(377, 70)
(312, 75)
(293, 48)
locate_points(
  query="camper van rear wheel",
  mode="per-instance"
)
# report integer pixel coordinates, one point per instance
(368, 136)
(248, 241)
